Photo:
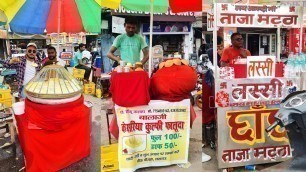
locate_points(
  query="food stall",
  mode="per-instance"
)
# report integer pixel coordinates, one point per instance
(249, 91)
(151, 123)
(53, 122)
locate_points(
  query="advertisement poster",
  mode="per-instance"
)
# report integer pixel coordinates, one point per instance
(118, 25)
(75, 38)
(153, 135)
(242, 139)
(55, 39)
(66, 55)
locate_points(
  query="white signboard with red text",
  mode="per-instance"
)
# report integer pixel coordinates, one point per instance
(264, 16)
(210, 20)
(253, 91)
(153, 135)
(260, 66)
(242, 139)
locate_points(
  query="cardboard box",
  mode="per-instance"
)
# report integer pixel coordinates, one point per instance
(89, 88)
(109, 158)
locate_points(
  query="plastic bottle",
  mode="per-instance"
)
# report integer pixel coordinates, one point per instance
(289, 66)
(98, 88)
(298, 65)
(303, 62)
(250, 167)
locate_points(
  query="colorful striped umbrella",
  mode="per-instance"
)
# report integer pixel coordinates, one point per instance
(38, 16)
(157, 6)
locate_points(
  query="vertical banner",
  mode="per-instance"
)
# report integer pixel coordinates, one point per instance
(210, 20)
(153, 135)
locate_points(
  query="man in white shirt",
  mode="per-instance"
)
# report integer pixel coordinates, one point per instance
(52, 58)
(26, 66)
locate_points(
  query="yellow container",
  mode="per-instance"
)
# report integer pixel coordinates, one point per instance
(78, 73)
(7, 103)
(89, 88)
(109, 158)
(98, 93)
(5, 94)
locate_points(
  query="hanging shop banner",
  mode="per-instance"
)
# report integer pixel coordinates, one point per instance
(122, 11)
(242, 139)
(169, 27)
(249, 92)
(75, 38)
(54, 38)
(260, 66)
(153, 135)
(265, 16)
(210, 20)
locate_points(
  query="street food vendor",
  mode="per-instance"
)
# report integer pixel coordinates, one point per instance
(130, 45)
(235, 51)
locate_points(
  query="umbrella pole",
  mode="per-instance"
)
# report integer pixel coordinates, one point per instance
(151, 37)
(59, 3)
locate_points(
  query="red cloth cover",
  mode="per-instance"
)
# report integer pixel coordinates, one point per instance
(208, 114)
(130, 89)
(173, 83)
(61, 137)
(185, 6)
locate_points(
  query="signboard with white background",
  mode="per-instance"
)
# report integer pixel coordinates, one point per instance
(260, 66)
(118, 25)
(266, 16)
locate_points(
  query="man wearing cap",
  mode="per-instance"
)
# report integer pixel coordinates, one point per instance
(26, 66)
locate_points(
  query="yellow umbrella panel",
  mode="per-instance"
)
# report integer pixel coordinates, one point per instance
(11, 7)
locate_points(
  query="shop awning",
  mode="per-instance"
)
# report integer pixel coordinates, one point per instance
(26, 36)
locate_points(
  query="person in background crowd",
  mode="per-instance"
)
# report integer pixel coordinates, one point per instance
(52, 58)
(77, 59)
(38, 55)
(94, 53)
(26, 66)
(220, 48)
(130, 44)
(235, 51)
(202, 50)
(208, 115)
